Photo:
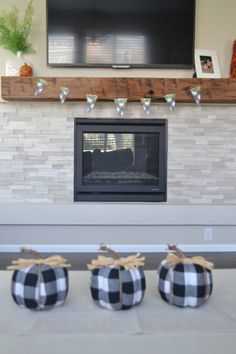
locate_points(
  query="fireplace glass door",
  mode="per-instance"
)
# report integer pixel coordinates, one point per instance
(120, 159)
(119, 162)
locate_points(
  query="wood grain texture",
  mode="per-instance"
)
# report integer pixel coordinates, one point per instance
(109, 88)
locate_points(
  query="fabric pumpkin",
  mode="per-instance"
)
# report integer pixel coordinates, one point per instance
(186, 283)
(115, 286)
(42, 285)
(26, 70)
(233, 63)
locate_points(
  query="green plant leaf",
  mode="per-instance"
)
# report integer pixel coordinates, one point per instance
(13, 32)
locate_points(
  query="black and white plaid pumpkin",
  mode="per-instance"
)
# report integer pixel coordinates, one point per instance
(115, 286)
(40, 286)
(185, 282)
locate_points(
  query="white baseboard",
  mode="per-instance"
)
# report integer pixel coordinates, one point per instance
(119, 248)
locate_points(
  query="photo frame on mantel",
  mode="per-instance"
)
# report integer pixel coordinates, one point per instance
(207, 64)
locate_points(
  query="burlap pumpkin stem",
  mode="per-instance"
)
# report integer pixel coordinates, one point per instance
(178, 256)
(133, 261)
(52, 261)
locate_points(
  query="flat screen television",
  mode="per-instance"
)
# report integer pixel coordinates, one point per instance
(124, 33)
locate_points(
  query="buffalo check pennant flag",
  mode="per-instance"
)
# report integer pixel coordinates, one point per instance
(121, 105)
(64, 92)
(40, 86)
(196, 92)
(146, 102)
(91, 100)
(170, 100)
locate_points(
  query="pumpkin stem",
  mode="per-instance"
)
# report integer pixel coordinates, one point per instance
(177, 250)
(31, 251)
(109, 250)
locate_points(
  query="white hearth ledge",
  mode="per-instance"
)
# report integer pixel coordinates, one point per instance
(116, 214)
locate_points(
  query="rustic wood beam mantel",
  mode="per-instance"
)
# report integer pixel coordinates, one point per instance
(109, 88)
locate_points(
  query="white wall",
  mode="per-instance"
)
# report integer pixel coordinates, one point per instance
(215, 29)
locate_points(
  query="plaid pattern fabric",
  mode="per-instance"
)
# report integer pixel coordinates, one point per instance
(116, 288)
(185, 284)
(40, 287)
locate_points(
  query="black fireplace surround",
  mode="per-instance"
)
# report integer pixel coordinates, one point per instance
(120, 160)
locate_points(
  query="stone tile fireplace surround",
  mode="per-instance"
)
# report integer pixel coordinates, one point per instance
(36, 182)
(36, 150)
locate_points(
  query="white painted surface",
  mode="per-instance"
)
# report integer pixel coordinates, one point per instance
(119, 248)
(128, 227)
(116, 214)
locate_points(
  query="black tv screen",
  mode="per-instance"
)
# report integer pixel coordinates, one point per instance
(132, 33)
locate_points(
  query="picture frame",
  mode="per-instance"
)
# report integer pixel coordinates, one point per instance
(207, 64)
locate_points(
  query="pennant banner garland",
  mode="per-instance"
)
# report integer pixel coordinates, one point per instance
(40, 86)
(120, 103)
(64, 92)
(91, 100)
(196, 92)
(146, 102)
(170, 100)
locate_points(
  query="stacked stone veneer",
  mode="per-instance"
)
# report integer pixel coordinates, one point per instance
(36, 150)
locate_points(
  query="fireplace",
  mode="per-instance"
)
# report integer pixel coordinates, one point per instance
(120, 160)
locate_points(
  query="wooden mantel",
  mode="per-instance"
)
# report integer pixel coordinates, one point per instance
(109, 88)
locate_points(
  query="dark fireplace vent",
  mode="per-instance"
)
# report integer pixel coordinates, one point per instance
(120, 160)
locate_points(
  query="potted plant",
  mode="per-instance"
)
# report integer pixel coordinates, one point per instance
(14, 32)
